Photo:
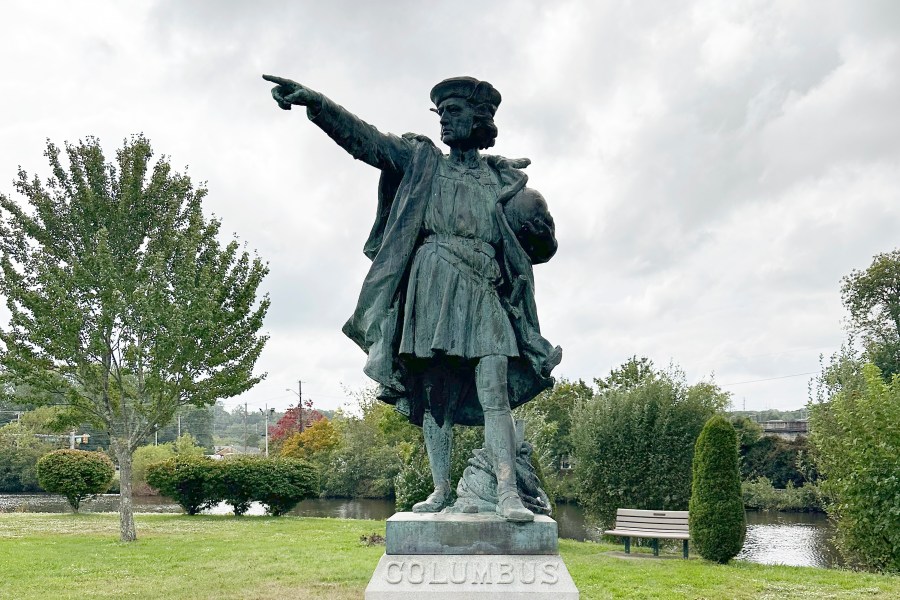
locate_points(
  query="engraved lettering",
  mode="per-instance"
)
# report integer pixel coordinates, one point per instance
(550, 575)
(528, 572)
(506, 573)
(413, 576)
(458, 575)
(437, 576)
(399, 572)
(482, 571)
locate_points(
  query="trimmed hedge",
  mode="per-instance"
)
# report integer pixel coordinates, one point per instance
(283, 483)
(197, 483)
(192, 481)
(75, 474)
(717, 520)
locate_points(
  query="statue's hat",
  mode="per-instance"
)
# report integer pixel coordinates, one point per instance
(469, 88)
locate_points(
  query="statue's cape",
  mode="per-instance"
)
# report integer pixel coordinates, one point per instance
(374, 326)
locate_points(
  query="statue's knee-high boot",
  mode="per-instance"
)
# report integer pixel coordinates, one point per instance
(500, 435)
(438, 444)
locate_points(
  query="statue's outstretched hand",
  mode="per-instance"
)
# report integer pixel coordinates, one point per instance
(288, 92)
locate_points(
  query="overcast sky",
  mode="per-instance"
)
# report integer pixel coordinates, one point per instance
(714, 168)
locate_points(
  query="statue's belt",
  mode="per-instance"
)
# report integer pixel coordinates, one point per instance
(453, 249)
(473, 243)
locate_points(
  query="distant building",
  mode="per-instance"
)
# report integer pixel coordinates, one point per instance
(788, 430)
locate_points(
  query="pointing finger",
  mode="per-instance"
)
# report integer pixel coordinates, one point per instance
(278, 80)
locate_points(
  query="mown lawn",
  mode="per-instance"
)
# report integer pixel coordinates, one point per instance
(216, 557)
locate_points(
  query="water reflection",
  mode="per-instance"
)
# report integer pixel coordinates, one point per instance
(43, 503)
(797, 539)
(336, 508)
(572, 524)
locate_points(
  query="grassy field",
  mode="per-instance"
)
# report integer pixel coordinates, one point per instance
(257, 558)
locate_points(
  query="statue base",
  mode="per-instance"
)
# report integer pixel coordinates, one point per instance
(460, 533)
(469, 556)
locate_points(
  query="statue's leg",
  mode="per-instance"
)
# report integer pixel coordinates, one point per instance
(500, 435)
(438, 444)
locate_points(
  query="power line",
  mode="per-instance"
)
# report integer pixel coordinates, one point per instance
(769, 378)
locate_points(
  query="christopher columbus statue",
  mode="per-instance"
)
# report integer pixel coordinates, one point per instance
(446, 313)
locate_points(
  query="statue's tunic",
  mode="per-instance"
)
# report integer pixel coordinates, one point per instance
(401, 318)
(452, 304)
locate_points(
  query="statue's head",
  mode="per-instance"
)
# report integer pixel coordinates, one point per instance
(466, 107)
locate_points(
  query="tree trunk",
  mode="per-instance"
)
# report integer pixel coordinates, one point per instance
(126, 511)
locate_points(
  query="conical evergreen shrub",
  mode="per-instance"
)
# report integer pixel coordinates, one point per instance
(717, 520)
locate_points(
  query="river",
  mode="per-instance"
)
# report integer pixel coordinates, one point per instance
(799, 539)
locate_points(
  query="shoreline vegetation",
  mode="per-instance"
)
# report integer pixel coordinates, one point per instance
(223, 557)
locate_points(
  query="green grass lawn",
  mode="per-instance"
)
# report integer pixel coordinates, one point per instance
(216, 557)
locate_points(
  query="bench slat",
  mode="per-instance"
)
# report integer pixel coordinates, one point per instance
(649, 527)
(633, 512)
(648, 534)
(651, 520)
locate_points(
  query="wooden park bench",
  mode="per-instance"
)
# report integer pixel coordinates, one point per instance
(655, 524)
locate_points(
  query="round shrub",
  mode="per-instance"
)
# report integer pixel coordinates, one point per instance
(282, 483)
(717, 520)
(192, 481)
(75, 474)
(238, 481)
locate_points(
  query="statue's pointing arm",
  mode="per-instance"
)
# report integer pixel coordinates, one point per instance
(363, 141)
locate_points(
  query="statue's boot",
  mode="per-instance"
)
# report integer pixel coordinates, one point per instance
(500, 436)
(510, 507)
(437, 501)
(438, 444)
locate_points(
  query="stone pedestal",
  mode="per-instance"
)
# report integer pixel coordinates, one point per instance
(468, 556)
(481, 533)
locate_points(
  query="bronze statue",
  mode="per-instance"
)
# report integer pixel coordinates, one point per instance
(446, 313)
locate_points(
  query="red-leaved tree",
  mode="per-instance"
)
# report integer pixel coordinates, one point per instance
(290, 423)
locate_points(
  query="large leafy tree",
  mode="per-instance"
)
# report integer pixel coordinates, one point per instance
(855, 430)
(124, 305)
(872, 298)
(548, 426)
(633, 444)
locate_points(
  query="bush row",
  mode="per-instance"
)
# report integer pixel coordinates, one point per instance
(197, 483)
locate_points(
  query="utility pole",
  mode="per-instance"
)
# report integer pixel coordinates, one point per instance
(266, 413)
(299, 393)
(300, 403)
(245, 428)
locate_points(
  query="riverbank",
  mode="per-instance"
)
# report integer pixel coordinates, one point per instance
(221, 558)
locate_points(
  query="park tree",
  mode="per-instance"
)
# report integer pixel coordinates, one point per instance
(872, 297)
(370, 455)
(295, 419)
(629, 374)
(124, 304)
(855, 430)
(633, 444)
(20, 451)
(548, 427)
(320, 438)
